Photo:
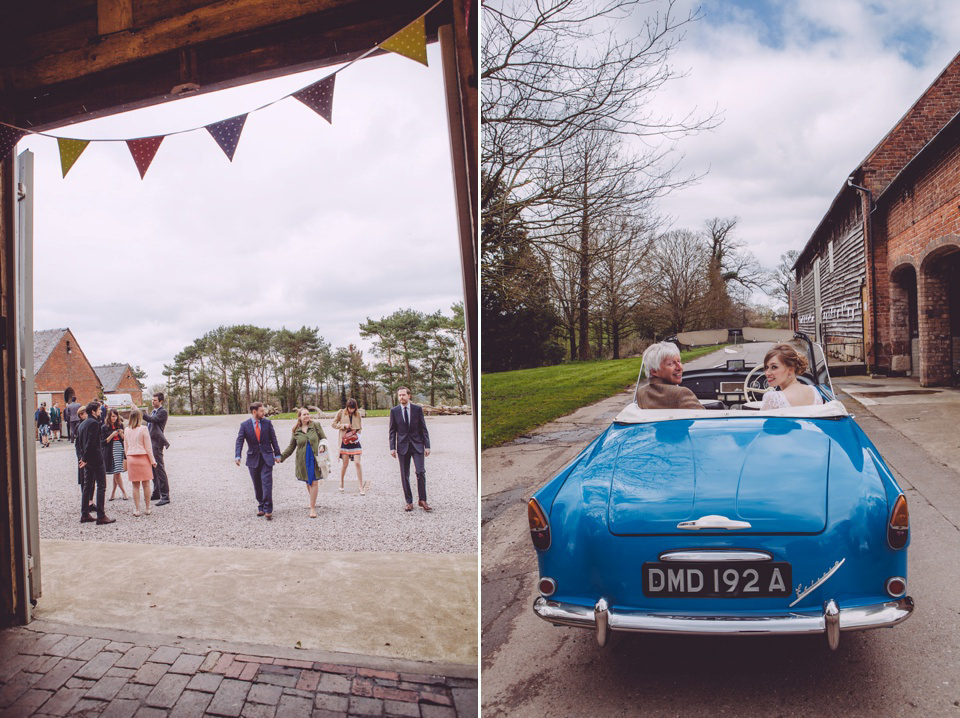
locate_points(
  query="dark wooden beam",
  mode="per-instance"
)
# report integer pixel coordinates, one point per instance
(308, 42)
(212, 22)
(114, 16)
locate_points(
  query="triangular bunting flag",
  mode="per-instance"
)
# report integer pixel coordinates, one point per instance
(410, 42)
(227, 133)
(9, 137)
(144, 149)
(319, 97)
(70, 151)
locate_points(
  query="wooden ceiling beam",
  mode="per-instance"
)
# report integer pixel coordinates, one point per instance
(212, 22)
(307, 43)
(114, 16)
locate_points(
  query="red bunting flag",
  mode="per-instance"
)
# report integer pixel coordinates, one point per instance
(9, 137)
(144, 149)
(319, 97)
(227, 133)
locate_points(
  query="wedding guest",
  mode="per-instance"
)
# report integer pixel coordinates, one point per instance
(43, 425)
(306, 437)
(56, 420)
(90, 453)
(113, 451)
(140, 460)
(349, 423)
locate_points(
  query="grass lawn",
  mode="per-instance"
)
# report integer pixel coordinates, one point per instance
(514, 402)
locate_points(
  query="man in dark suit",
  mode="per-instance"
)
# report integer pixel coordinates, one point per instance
(262, 452)
(157, 421)
(409, 439)
(90, 456)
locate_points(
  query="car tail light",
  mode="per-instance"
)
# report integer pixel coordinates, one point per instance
(899, 529)
(539, 527)
(547, 586)
(896, 586)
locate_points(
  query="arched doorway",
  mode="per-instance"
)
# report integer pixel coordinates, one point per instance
(939, 309)
(904, 321)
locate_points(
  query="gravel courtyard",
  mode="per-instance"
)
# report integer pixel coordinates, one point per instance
(213, 504)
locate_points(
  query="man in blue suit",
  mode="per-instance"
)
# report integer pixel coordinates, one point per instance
(262, 451)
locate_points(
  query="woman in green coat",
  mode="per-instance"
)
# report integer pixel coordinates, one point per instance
(306, 438)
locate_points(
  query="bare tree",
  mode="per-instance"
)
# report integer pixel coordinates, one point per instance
(552, 69)
(625, 275)
(681, 258)
(783, 277)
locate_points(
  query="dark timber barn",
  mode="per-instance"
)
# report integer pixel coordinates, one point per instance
(877, 282)
(75, 60)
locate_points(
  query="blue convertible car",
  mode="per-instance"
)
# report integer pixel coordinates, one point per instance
(729, 520)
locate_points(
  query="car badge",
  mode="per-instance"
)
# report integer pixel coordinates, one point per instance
(801, 591)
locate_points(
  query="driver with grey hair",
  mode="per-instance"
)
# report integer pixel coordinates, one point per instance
(665, 372)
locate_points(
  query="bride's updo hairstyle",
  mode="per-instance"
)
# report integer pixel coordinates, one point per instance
(789, 356)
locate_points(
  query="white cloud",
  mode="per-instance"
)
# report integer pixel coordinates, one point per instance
(802, 107)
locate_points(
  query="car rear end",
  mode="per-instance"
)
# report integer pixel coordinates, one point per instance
(754, 525)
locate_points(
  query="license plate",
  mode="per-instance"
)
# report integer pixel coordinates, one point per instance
(761, 579)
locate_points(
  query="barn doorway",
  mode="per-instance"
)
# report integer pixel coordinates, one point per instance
(904, 321)
(939, 308)
(280, 60)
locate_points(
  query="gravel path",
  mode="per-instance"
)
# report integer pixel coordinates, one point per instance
(213, 504)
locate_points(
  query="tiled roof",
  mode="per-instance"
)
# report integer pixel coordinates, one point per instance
(44, 342)
(110, 375)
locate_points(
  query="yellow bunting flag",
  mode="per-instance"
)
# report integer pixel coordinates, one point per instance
(410, 42)
(70, 151)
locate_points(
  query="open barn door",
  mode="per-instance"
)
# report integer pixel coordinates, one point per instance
(26, 395)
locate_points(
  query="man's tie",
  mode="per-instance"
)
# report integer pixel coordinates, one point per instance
(256, 428)
(406, 417)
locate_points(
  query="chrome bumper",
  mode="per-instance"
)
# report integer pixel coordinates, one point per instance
(829, 621)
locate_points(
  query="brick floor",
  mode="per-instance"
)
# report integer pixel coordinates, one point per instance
(48, 670)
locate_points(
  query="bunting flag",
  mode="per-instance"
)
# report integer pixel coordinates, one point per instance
(70, 151)
(319, 97)
(227, 133)
(144, 149)
(9, 137)
(410, 42)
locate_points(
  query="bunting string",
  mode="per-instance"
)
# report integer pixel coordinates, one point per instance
(410, 42)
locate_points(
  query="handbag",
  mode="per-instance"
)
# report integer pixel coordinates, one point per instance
(351, 436)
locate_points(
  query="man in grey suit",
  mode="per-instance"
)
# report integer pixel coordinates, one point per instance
(73, 421)
(410, 440)
(157, 421)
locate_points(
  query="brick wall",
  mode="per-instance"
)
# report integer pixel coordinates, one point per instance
(920, 220)
(62, 370)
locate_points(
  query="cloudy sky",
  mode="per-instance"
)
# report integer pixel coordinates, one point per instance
(806, 88)
(311, 224)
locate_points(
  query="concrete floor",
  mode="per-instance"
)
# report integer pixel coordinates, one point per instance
(414, 606)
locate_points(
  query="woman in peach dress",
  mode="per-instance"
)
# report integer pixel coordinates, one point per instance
(140, 460)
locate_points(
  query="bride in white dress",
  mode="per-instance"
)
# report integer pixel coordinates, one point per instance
(781, 366)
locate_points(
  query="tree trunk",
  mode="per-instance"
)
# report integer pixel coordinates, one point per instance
(572, 332)
(583, 292)
(615, 336)
(193, 409)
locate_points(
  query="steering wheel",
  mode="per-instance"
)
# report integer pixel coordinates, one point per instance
(754, 389)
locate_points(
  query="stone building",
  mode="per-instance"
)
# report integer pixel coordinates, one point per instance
(58, 363)
(873, 282)
(119, 379)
